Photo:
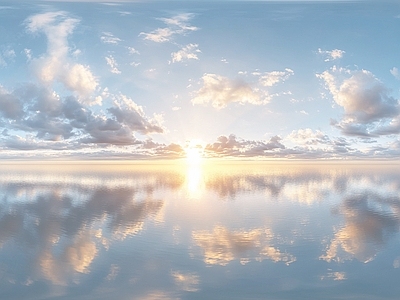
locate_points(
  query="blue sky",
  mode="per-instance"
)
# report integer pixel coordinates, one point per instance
(240, 79)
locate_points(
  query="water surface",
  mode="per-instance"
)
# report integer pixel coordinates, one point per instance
(213, 231)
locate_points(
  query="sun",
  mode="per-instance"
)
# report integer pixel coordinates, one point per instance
(194, 152)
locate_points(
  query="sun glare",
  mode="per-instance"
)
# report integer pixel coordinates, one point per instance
(194, 152)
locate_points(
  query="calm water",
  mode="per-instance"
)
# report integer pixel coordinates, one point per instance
(245, 231)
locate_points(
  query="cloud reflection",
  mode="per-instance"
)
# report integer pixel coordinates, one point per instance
(132, 228)
(67, 226)
(370, 221)
(221, 246)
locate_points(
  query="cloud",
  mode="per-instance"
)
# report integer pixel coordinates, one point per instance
(127, 112)
(188, 52)
(109, 38)
(309, 137)
(368, 108)
(126, 117)
(6, 56)
(79, 79)
(274, 77)
(332, 54)
(55, 65)
(133, 51)
(34, 116)
(220, 91)
(113, 64)
(177, 25)
(395, 72)
(233, 146)
(10, 106)
(337, 276)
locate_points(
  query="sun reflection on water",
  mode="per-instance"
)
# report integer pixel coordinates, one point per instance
(194, 180)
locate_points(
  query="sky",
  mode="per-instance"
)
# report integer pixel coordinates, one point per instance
(228, 79)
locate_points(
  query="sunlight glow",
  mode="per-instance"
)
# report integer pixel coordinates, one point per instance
(194, 152)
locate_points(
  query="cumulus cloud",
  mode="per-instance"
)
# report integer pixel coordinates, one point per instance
(219, 91)
(186, 53)
(309, 137)
(177, 25)
(126, 117)
(233, 146)
(55, 65)
(368, 107)
(34, 116)
(331, 54)
(127, 112)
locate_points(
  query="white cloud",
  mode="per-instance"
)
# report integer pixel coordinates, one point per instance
(177, 25)
(55, 65)
(188, 52)
(365, 100)
(113, 64)
(6, 56)
(109, 38)
(395, 73)
(79, 79)
(133, 51)
(332, 54)
(309, 137)
(159, 35)
(219, 91)
(274, 77)
(28, 53)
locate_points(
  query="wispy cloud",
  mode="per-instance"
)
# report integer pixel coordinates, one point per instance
(274, 77)
(109, 38)
(331, 54)
(186, 53)
(112, 64)
(177, 25)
